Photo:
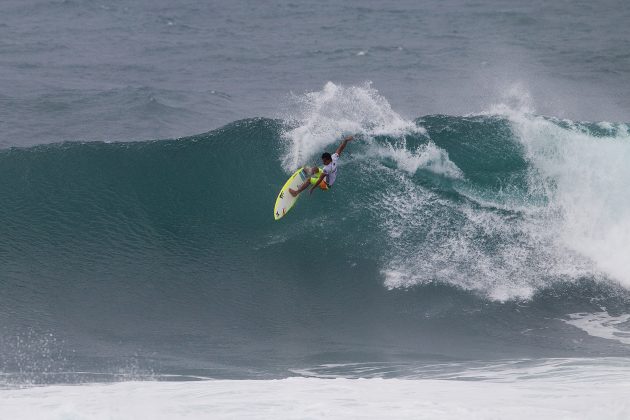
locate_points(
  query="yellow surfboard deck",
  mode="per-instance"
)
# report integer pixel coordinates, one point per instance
(285, 200)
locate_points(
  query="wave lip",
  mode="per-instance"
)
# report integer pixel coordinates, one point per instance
(319, 118)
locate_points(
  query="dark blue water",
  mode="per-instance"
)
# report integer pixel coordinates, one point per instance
(481, 214)
(123, 70)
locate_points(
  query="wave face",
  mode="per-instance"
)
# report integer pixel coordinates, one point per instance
(444, 237)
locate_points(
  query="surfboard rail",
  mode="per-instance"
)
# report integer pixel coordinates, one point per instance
(285, 201)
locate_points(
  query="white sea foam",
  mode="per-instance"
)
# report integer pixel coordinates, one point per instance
(466, 259)
(585, 179)
(458, 258)
(475, 248)
(576, 223)
(428, 157)
(565, 370)
(583, 224)
(542, 397)
(602, 325)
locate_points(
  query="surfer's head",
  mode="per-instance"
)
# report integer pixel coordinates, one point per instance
(326, 158)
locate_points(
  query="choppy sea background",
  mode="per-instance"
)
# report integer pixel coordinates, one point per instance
(473, 259)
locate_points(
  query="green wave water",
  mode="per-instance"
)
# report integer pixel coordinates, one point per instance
(448, 238)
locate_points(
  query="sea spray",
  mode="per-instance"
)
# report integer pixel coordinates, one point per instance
(318, 119)
(584, 173)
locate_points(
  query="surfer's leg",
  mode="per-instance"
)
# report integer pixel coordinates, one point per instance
(313, 173)
(304, 186)
(310, 181)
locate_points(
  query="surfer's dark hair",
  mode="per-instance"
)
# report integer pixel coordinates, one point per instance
(326, 156)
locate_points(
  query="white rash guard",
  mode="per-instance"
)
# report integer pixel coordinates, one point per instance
(330, 170)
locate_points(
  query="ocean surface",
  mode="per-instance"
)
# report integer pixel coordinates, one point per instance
(477, 239)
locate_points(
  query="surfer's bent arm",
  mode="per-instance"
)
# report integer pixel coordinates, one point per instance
(319, 181)
(343, 145)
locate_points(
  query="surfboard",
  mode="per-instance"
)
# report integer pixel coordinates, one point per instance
(285, 200)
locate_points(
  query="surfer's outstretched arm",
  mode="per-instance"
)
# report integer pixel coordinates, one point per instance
(343, 145)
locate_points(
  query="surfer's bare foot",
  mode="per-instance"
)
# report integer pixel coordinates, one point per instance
(293, 192)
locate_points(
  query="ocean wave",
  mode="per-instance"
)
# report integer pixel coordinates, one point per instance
(474, 230)
(503, 205)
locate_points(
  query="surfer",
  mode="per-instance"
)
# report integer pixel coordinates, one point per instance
(322, 177)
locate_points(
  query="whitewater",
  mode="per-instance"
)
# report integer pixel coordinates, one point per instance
(300, 398)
